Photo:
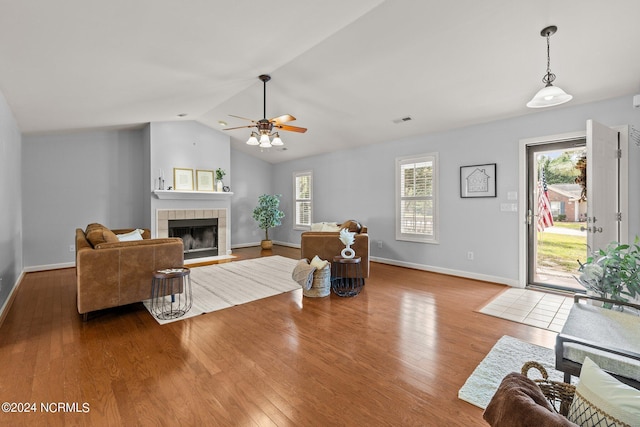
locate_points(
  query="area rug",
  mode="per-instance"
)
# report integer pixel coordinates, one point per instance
(507, 355)
(220, 286)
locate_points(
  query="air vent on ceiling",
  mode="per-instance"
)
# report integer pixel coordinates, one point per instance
(402, 120)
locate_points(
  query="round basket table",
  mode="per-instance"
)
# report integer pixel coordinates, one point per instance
(346, 276)
(171, 295)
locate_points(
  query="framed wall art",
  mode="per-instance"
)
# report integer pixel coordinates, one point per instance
(478, 180)
(204, 180)
(182, 179)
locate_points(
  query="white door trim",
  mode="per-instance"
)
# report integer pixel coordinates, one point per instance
(522, 188)
(624, 182)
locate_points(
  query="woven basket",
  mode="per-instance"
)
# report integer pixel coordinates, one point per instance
(321, 286)
(559, 394)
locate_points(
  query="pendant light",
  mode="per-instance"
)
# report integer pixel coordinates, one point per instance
(549, 95)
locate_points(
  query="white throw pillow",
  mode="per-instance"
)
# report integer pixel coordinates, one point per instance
(318, 263)
(130, 236)
(330, 226)
(601, 399)
(325, 226)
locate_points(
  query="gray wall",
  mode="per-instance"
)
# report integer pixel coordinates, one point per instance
(191, 145)
(11, 262)
(251, 178)
(73, 179)
(70, 180)
(359, 184)
(186, 144)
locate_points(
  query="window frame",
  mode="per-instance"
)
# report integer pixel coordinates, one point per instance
(296, 175)
(418, 237)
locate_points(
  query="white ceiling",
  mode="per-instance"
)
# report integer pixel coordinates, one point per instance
(345, 69)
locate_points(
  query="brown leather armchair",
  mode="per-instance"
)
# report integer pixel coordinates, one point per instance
(111, 273)
(326, 244)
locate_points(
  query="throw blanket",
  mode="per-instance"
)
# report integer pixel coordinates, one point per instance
(519, 402)
(303, 274)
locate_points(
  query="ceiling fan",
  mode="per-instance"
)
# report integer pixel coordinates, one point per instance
(266, 126)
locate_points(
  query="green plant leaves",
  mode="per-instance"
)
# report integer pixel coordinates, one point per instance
(620, 266)
(267, 213)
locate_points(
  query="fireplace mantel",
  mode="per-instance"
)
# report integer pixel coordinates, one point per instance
(191, 195)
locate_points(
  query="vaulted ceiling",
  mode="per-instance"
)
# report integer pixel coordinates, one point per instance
(346, 69)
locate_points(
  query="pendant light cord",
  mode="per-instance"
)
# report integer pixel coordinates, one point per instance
(264, 100)
(549, 77)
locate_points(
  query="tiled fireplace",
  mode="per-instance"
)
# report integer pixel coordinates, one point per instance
(163, 216)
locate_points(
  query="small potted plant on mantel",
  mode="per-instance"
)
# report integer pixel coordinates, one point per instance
(220, 173)
(613, 272)
(268, 216)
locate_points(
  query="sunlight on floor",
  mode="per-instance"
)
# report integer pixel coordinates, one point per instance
(539, 309)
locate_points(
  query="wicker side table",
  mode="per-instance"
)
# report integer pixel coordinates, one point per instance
(171, 295)
(346, 276)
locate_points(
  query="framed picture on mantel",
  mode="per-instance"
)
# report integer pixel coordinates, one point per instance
(182, 179)
(204, 180)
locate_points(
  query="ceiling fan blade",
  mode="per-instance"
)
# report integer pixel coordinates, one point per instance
(291, 128)
(240, 127)
(282, 119)
(243, 118)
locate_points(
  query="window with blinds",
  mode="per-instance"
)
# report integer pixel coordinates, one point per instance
(303, 202)
(416, 207)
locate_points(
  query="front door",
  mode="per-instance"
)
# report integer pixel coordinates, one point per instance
(602, 222)
(557, 213)
(603, 185)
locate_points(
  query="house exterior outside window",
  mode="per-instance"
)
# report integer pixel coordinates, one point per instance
(303, 191)
(416, 198)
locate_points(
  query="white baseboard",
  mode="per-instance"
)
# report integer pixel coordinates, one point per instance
(459, 273)
(291, 245)
(5, 307)
(35, 268)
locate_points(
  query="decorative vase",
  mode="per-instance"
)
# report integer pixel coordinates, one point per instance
(347, 252)
(219, 186)
(266, 244)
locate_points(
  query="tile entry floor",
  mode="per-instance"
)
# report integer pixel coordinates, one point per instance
(539, 309)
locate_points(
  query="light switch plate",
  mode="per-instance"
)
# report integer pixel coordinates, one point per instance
(508, 207)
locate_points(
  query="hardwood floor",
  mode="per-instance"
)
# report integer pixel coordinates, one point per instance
(394, 355)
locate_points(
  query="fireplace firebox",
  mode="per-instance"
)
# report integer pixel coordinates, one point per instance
(199, 236)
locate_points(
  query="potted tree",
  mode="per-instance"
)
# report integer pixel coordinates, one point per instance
(268, 216)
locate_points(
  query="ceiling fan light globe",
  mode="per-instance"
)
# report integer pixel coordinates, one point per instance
(264, 139)
(549, 96)
(265, 144)
(252, 140)
(277, 141)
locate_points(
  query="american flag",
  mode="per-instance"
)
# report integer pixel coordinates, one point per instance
(545, 218)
